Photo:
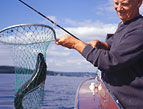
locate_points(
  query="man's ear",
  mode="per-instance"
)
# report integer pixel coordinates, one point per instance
(139, 3)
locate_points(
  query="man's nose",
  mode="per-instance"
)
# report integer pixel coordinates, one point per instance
(119, 7)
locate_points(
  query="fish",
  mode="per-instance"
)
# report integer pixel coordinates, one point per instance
(38, 78)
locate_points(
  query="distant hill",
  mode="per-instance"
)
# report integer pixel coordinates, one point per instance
(6, 69)
(10, 70)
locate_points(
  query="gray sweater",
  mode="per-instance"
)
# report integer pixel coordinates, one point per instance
(122, 64)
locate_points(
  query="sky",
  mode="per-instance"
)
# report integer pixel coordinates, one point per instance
(86, 19)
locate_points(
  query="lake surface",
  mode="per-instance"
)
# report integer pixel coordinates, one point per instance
(59, 92)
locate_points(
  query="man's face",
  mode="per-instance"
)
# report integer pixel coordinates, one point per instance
(126, 9)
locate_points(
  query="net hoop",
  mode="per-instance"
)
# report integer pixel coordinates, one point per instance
(24, 25)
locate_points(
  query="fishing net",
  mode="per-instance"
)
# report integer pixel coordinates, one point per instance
(28, 43)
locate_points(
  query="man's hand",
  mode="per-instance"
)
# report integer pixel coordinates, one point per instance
(71, 43)
(98, 44)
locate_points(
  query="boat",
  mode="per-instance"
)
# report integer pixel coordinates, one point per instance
(93, 94)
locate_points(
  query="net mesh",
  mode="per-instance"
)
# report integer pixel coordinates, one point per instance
(26, 42)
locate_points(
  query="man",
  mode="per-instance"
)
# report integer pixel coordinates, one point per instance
(120, 58)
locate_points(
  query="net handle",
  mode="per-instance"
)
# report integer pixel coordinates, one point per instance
(49, 19)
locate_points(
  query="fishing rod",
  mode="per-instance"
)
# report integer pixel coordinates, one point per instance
(48, 19)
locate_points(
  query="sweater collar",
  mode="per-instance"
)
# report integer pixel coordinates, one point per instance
(134, 19)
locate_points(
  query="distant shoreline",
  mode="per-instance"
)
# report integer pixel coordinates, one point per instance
(6, 69)
(10, 70)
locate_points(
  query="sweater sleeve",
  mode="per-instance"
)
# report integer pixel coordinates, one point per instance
(122, 53)
(109, 41)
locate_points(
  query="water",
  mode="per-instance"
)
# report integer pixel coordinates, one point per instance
(59, 91)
